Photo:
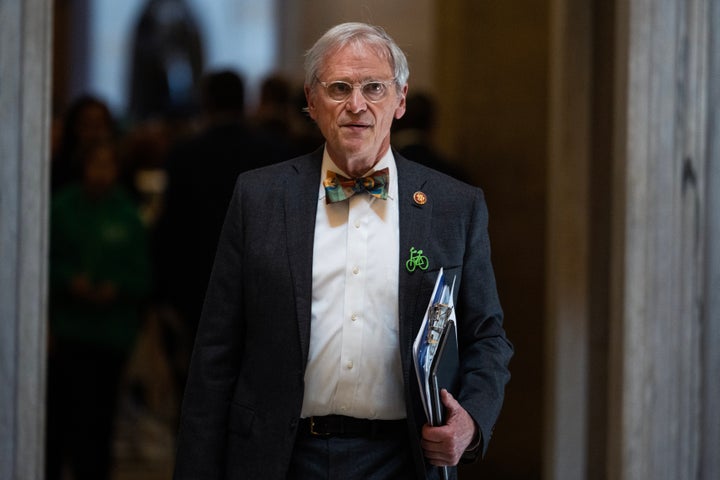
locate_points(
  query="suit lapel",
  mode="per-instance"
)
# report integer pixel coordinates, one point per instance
(301, 197)
(414, 229)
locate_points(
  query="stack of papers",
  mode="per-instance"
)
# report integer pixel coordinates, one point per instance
(435, 350)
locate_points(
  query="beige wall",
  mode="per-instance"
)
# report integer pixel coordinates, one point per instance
(492, 70)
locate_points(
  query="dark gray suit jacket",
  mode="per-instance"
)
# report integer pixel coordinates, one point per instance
(245, 386)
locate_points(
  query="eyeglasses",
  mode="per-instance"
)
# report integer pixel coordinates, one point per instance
(372, 90)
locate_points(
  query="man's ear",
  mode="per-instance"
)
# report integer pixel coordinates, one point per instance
(400, 110)
(310, 99)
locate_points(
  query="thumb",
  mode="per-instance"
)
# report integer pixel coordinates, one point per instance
(449, 401)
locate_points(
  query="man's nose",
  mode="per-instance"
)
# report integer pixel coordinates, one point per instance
(356, 102)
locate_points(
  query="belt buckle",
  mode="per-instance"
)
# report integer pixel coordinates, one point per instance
(313, 432)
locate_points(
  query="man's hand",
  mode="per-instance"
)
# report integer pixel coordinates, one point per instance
(445, 445)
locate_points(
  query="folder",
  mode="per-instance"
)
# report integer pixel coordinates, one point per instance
(436, 355)
(435, 350)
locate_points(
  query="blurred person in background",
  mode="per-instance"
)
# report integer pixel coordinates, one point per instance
(86, 121)
(273, 111)
(413, 135)
(167, 61)
(281, 114)
(99, 279)
(201, 172)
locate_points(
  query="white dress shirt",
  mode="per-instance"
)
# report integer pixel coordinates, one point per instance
(354, 358)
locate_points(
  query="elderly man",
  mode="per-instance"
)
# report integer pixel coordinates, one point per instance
(302, 366)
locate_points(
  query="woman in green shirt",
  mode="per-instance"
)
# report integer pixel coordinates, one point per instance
(99, 276)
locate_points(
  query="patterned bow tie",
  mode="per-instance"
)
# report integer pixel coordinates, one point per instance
(339, 188)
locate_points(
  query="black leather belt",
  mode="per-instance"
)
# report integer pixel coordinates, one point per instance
(339, 425)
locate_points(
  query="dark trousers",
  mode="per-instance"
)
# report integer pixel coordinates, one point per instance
(386, 457)
(81, 404)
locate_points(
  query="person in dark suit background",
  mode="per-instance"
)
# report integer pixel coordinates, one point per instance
(413, 135)
(201, 172)
(302, 365)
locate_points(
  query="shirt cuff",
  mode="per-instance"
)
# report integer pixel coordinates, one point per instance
(472, 452)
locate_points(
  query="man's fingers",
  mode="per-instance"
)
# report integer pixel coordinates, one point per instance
(444, 445)
(436, 453)
(448, 400)
(439, 445)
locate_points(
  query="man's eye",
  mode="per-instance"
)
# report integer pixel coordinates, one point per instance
(374, 87)
(340, 88)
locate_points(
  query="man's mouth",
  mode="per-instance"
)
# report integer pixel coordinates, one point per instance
(356, 125)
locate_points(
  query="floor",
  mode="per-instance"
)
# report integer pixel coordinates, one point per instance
(147, 421)
(143, 448)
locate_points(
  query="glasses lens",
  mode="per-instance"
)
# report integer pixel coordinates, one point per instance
(374, 91)
(339, 90)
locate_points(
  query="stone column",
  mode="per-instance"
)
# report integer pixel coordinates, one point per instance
(25, 33)
(710, 347)
(660, 378)
(662, 357)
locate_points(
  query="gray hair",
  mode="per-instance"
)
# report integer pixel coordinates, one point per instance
(350, 33)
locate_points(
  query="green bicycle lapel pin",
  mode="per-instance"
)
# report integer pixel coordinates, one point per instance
(416, 260)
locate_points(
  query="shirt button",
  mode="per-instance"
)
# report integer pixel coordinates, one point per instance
(354, 317)
(356, 270)
(357, 223)
(350, 365)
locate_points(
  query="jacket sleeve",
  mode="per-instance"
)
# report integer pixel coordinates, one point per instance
(485, 351)
(202, 436)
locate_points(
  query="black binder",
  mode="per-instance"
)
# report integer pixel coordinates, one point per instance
(444, 371)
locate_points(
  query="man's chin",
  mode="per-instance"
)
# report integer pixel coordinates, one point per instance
(361, 164)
